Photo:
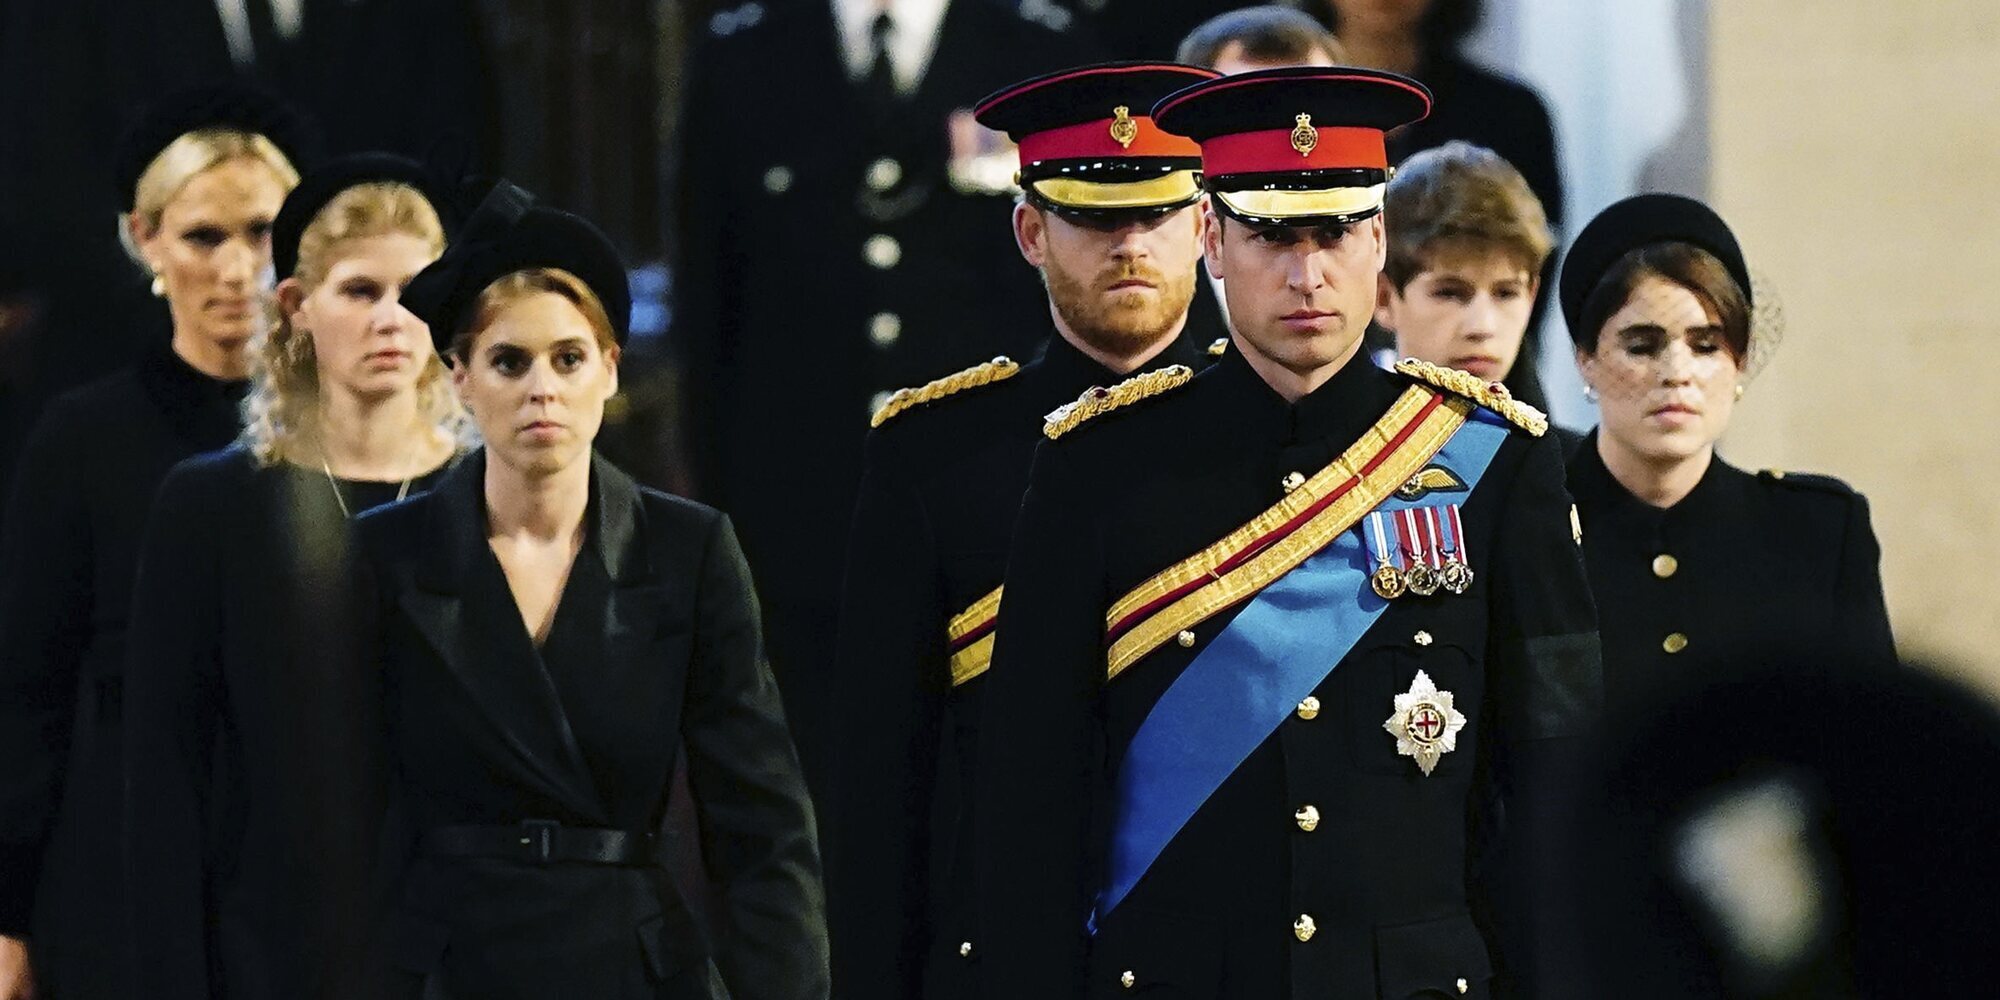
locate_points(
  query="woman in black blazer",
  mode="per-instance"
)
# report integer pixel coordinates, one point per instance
(1699, 568)
(552, 637)
(248, 755)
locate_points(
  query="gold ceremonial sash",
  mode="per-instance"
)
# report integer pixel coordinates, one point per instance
(969, 637)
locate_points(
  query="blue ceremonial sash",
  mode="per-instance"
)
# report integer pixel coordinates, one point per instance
(1243, 685)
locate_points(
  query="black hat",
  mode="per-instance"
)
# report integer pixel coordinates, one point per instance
(324, 184)
(1297, 146)
(228, 104)
(1638, 221)
(1087, 145)
(508, 232)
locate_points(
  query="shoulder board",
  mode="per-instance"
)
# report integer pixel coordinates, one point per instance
(731, 20)
(1097, 400)
(1219, 347)
(1807, 480)
(1491, 395)
(997, 370)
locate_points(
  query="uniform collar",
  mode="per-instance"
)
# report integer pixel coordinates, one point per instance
(1342, 409)
(1591, 483)
(1067, 371)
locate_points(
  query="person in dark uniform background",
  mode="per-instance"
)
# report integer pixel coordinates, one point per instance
(201, 178)
(1109, 215)
(1176, 793)
(1698, 566)
(553, 637)
(247, 768)
(841, 232)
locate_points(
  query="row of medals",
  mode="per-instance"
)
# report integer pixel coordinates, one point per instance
(1421, 578)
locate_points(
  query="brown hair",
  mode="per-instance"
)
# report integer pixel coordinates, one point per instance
(1684, 264)
(281, 413)
(1267, 34)
(521, 284)
(1457, 196)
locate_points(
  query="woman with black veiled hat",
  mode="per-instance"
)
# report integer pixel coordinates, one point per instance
(553, 637)
(200, 179)
(249, 764)
(1697, 566)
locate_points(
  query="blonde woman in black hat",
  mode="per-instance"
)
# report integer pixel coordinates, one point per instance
(553, 638)
(245, 719)
(200, 181)
(1698, 566)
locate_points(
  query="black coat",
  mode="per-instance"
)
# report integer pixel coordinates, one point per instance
(245, 722)
(937, 504)
(1411, 880)
(67, 560)
(1753, 564)
(655, 647)
(776, 305)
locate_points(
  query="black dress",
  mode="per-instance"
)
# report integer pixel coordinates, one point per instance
(930, 532)
(1744, 565)
(67, 559)
(533, 780)
(1325, 866)
(245, 725)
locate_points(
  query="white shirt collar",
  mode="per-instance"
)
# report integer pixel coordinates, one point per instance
(912, 41)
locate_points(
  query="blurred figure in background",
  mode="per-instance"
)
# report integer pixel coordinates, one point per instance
(1697, 565)
(201, 178)
(842, 231)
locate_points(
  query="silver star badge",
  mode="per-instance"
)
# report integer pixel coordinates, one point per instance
(1425, 724)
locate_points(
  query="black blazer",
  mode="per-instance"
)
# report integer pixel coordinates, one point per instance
(655, 647)
(249, 772)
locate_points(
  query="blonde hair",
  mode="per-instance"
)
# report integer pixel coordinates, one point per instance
(519, 285)
(281, 413)
(187, 157)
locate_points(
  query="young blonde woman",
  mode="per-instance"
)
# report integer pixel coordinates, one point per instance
(201, 176)
(249, 768)
(553, 638)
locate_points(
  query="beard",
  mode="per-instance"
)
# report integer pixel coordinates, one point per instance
(1124, 324)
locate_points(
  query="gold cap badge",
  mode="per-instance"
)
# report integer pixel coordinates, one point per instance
(1123, 128)
(1425, 724)
(1304, 137)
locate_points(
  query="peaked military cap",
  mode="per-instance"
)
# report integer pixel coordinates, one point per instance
(224, 105)
(1638, 221)
(1297, 146)
(1087, 146)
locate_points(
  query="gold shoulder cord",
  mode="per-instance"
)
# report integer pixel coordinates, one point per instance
(1098, 400)
(1491, 395)
(997, 370)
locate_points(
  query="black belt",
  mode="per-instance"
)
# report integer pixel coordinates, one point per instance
(543, 841)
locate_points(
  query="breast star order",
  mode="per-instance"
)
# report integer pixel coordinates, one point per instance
(1425, 724)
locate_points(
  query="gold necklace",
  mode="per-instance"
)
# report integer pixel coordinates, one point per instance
(341, 498)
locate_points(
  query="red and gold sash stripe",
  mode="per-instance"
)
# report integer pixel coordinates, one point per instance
(1308, 519)
(969, 638)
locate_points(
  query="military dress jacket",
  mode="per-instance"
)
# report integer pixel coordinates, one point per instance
(653, 651)
(1327, 866)
(1742, 566)
(929, 540)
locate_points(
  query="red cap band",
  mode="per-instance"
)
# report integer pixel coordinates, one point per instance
(1093, 139)
(1272, 151)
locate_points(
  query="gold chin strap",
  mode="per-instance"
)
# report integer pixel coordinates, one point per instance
(1304, 204)
(1070, 192)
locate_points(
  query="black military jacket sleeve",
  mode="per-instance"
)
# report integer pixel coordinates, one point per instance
(1400, 866)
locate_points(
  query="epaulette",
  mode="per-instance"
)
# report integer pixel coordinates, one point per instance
(1491, 395)
(1808, 480)
(1219, 347)
(1098, 400)
(731, 20)
(997, 370)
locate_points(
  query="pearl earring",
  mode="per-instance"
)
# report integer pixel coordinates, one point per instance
(1739, 390)
(159, 287)
(1590, 392)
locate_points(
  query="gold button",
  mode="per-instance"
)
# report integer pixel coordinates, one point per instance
(1308, 818)
(965, 950)
(1423, 638)
(884, 329)
(1292, 481)
(884, 173)
(1186, 639)
(1464, 986)
(1665, 565)
(1127, 979)
(1304, 928)
(1309, 708)
(1674, 643)
(882, 251)
(778, 179)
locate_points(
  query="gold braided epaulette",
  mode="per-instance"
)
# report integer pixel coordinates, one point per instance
(1491, 395)
(1098, 400)
(997, 370)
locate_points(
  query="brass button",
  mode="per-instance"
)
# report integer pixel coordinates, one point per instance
(882, 251)
(1464, 986)
(778, 179)
(884, 174)
(1423, 638)
(1127, 979)
(1665, 565)
(884, 329)
(1674, 643)
(1308, 818)
(1292, 481)
(1309, 708)
(1186, 639)
(1304, 928)
(965, 949)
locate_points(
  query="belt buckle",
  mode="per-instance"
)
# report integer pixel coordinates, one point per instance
(538, 836)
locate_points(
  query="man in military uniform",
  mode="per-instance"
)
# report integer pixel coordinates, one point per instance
(1289, 648)
(837, 238)
(1109, 215)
